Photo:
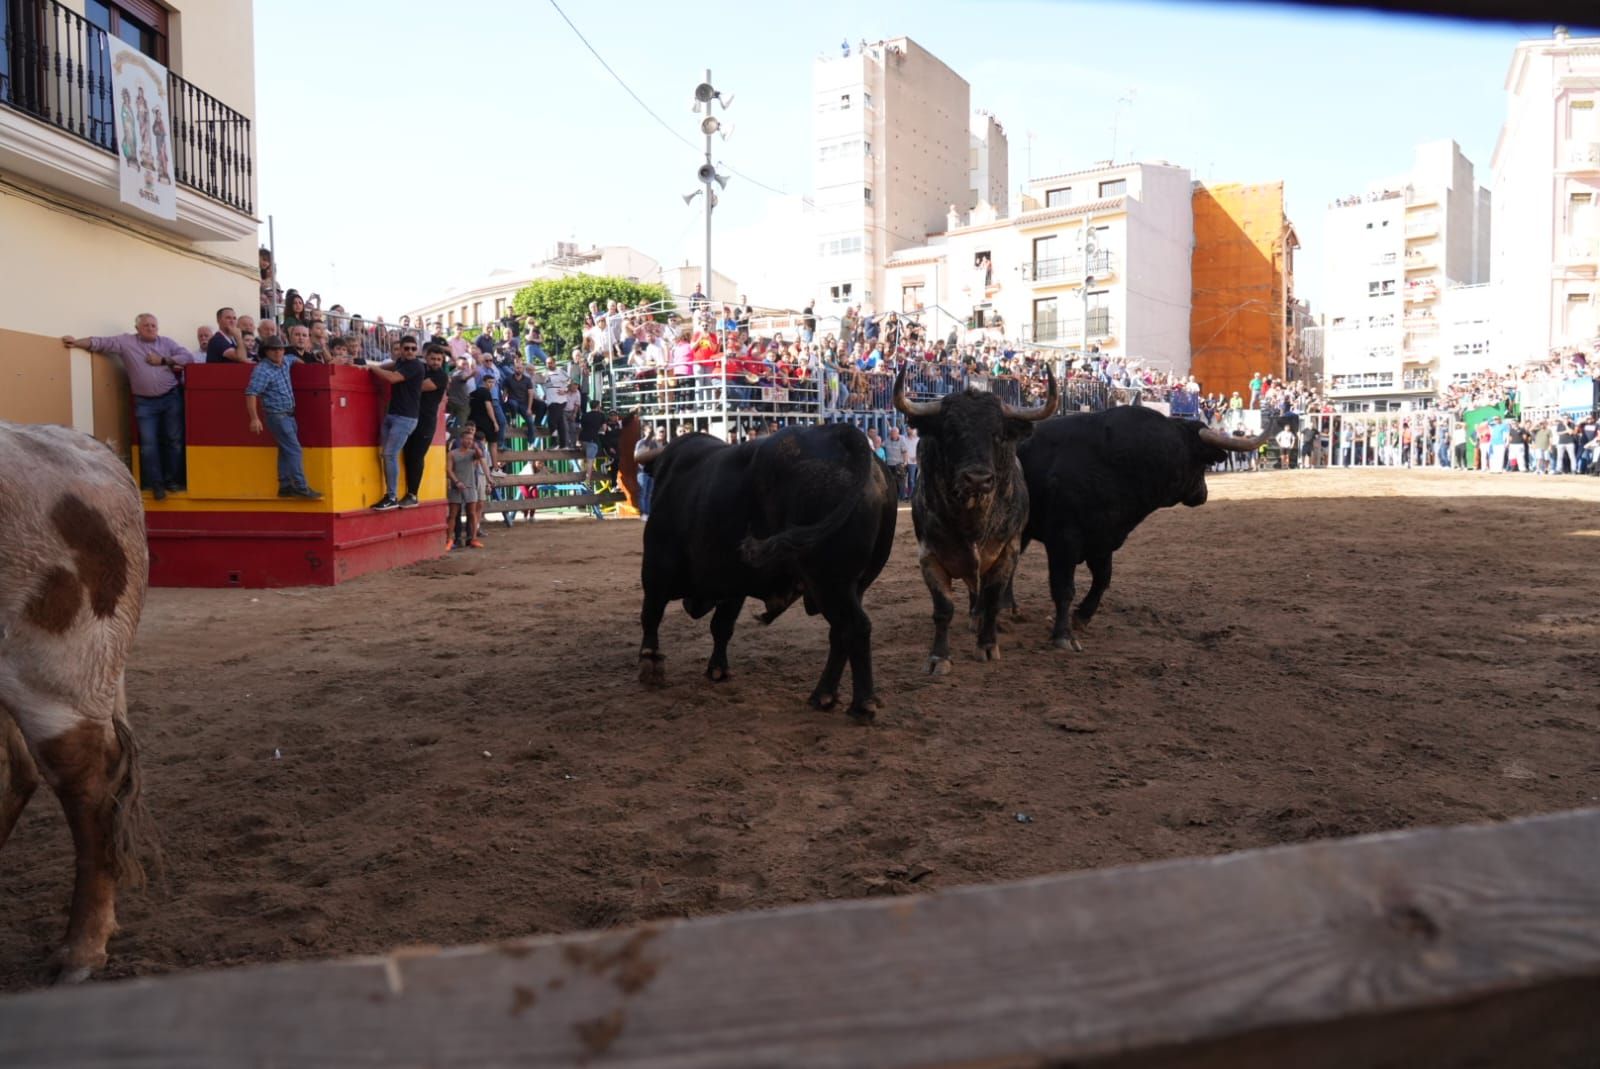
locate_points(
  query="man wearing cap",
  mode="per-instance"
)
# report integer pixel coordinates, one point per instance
(270, 399)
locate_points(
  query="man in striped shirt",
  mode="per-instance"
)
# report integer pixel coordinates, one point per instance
(152, 362)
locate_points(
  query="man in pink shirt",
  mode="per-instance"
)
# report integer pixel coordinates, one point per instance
(152, 362)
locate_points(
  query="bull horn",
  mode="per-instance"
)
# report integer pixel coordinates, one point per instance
(908, 406)
(1232, 444)
(1045, 411)
(648, 455)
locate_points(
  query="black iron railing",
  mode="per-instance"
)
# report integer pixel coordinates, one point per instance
(211, 145)
(1067, 267)
(55, 66)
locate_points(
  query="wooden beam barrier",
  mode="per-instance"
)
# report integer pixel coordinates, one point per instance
(1430, 948)
(540, 454)
(553, 501)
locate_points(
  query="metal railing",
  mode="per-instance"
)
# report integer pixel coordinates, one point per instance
(211, 145)
(712, 398)
(1100, 264)
(55, 67)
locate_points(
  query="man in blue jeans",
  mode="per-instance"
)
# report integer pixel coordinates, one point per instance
(152, 362)
(591, 426)
(405, 406)
(270, 398)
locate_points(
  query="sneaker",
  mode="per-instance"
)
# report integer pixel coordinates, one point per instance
(159, 493)
(475, 544)
(285, 491)
(386, 504)
(449, 544)
(409, 501)
(307, 493)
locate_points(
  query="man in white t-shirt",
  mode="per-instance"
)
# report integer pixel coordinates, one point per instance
(1286, 442)
(555, 382)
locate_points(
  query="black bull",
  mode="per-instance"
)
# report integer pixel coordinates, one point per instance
(970, 504)
(1093, 477)
(805, 513)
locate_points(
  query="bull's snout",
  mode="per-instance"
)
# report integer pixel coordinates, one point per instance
(975, 482)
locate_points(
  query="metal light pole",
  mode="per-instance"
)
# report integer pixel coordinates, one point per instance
(1088, 278)
(707, 173)
(704, 94)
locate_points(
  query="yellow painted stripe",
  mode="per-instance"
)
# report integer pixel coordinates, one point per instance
(227, 478)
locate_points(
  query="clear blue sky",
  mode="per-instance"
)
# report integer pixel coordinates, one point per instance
(404, 154)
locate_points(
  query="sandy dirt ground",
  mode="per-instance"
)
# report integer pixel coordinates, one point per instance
(460, 751)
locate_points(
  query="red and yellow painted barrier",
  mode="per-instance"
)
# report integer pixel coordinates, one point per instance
(230, 528)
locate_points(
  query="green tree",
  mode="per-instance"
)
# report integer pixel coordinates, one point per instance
(559, 304)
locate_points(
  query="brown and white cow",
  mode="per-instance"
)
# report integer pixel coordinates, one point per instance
(73, 569)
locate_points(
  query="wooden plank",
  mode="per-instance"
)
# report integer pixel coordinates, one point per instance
(543, 478)
(1423, 949)
(540, 454)
(557, 501)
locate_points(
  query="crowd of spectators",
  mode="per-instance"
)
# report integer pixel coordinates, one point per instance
(705, 357)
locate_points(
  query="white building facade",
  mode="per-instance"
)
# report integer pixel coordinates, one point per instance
(894, 145)
(1031, 276)
(480, 303)
(1546, 168)
(1391, 254)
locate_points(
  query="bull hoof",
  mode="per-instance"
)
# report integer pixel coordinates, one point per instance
(864, 712)
(718, 673)
(988, 653)
(652, 669)
(938, 666)
(1067, 642)
(1079, 624)
(822, 701)
(61, 970)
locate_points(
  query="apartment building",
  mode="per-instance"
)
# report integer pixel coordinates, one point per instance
(82, 256)
(1391, 254)
(1243, 319)
(1546, 180)
(895, 146)
(1095, 258)
(1467, 326)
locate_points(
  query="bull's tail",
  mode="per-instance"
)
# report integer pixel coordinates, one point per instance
(133, 839)
(792, 542)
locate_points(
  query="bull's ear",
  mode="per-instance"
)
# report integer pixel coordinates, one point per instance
(1018, 429)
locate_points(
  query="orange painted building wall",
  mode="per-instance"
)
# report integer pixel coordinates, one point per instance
(1241, 277)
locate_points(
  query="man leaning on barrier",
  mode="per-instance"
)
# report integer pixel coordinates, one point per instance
(152, 362)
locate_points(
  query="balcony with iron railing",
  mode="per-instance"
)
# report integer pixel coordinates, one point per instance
(1581, 251)
(55, 71)
(1581, 157)
(1070, 331)
(1422, 227)
(1065, 270)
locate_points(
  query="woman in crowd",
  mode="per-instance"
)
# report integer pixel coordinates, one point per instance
(294, 311)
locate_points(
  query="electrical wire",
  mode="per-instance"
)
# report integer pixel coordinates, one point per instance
(637, 99)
